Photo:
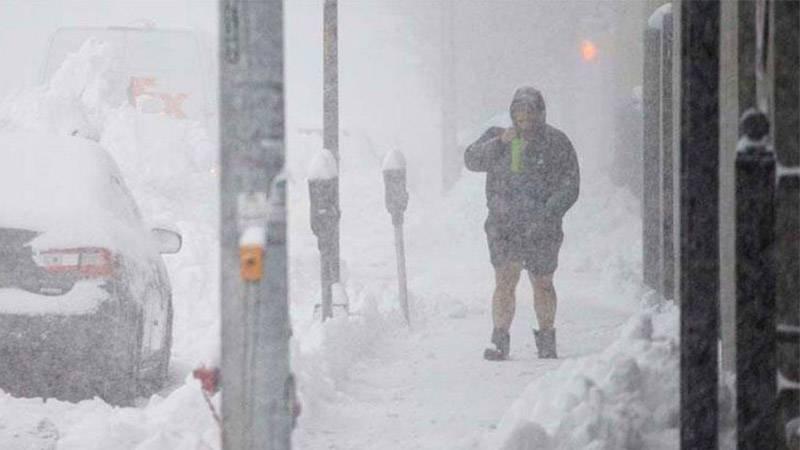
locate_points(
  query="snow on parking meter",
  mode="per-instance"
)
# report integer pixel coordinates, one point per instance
(394, 178)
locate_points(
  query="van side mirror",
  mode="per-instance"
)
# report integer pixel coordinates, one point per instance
(167, 241)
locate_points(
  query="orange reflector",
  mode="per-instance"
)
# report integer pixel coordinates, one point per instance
(252, 262)
(588, 50)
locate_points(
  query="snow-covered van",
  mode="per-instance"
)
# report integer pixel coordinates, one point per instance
(85, 300)
(164, 70)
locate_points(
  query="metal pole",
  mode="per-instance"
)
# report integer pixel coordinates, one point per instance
(699, 222)
(331, 135)
(667, 216)
(755, 287)
(400, 248)
(746, 54)
(258, 401)
(651, 170)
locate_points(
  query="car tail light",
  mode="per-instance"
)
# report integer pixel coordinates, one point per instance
(83, 262)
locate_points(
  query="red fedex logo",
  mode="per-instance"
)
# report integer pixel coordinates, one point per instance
(144, 86)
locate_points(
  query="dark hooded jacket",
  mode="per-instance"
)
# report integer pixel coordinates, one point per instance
(537, 196)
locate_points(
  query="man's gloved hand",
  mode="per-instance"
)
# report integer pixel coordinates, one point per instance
(508, 135)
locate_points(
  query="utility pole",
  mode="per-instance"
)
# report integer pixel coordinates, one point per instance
(330, 265)
(258, 403)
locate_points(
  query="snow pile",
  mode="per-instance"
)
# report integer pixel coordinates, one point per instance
(179, 421)
(73, 102)
(623, 398)
(326, 353)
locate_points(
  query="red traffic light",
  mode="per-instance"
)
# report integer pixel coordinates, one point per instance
(588, 50)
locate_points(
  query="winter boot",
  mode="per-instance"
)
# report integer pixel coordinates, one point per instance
(546, 343)
(502, 341)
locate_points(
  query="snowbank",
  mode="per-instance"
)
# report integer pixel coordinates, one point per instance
(179, 421)
(624, 398)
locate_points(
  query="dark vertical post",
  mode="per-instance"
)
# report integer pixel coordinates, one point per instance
(755, 287)
(330, 256)
(699, 222)
(746, 54)
(787, 252)
(786, 101)
(786, 41)
(667, 217)
(258, 403)
(651, 170)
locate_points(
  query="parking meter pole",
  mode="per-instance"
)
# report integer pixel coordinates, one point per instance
(258, 404)
(331, 118)
(400, 250)
(756, 358)
(396, 196)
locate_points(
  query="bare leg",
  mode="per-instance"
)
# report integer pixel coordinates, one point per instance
(504, 299)
(545, 300)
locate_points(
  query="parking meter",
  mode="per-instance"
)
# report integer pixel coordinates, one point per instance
(323, 190)
(396, 196)
(394, 179)
(324, 210)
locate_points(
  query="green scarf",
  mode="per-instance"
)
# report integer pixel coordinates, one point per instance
(517, 145)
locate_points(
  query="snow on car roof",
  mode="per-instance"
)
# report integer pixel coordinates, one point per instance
(44, 175)
(68, 188)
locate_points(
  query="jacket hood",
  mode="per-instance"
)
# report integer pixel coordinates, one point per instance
(533, 98)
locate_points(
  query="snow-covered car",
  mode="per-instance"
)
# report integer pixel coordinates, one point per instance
(85, 300)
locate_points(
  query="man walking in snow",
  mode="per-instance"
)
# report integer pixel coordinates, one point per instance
(532, 179)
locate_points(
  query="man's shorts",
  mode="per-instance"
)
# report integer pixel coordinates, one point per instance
(537, 250)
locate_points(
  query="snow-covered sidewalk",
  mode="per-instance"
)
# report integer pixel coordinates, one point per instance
(429, 387)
